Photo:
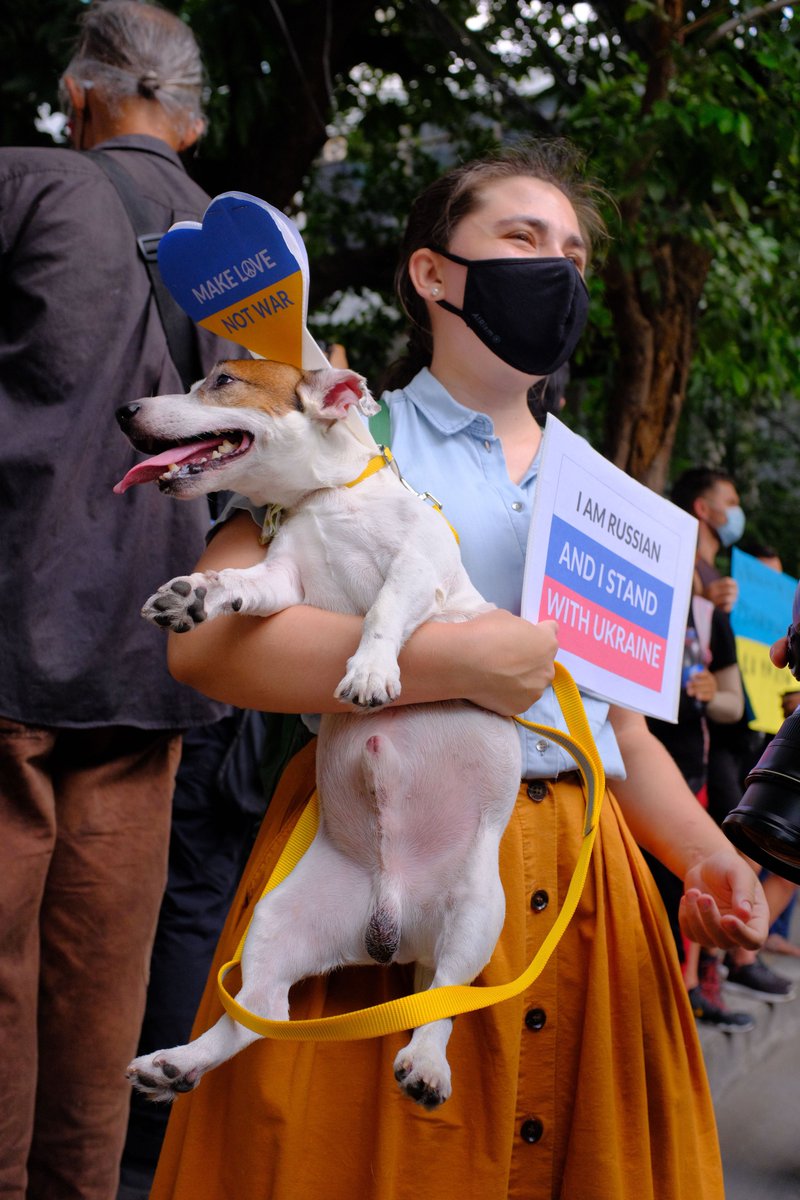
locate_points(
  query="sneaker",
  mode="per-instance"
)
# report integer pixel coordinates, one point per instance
(757, 980)
(709, 1013)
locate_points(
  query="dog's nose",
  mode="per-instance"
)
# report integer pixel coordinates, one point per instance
(126, 413)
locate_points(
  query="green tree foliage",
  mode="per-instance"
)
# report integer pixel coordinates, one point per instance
(340, 110)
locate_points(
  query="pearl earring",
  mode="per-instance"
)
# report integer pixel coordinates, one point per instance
(434, 291)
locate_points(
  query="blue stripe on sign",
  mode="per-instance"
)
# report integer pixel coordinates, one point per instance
(602, 577)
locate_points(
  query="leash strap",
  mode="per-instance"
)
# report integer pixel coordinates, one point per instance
(408, 1012)
(386, 459)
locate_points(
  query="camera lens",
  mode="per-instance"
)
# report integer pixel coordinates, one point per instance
(766, 824)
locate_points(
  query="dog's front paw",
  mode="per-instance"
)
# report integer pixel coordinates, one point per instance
(184, 603)
(368, 689)
(160, 1079)
(425, 1078)
(372, 679)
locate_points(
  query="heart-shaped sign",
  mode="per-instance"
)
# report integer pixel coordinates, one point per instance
(243, 274)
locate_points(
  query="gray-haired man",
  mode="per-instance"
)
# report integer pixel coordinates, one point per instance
(90, 720)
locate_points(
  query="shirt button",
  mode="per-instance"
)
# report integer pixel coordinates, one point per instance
(535, 1019)
(532, 1130)
(537, 791)
(517, 507)
(539, 900)
(542, 745)
(487, 446)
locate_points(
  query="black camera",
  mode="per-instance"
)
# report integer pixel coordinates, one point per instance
(766, 824)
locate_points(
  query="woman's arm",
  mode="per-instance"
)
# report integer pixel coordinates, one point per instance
(723, 904)
(293, 661)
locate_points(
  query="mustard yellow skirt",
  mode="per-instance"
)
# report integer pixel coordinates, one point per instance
(590, 1087)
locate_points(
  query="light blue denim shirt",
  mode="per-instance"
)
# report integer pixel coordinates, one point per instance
(453, 453)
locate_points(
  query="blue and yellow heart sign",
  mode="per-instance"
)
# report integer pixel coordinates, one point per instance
(243, 274)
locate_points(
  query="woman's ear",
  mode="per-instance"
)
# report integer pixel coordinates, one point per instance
(425, 273)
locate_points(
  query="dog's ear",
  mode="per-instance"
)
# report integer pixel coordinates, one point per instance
(330, 393)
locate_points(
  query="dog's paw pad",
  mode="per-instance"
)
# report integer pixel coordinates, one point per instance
(427, 1083)
(161, 1081)
(422, 1093)
(179, 605)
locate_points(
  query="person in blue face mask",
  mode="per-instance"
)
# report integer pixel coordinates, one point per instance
(711, 496)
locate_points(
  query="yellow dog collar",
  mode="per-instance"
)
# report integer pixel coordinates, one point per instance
(386, 459)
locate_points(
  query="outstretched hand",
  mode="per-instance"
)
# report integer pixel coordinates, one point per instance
(724, 904)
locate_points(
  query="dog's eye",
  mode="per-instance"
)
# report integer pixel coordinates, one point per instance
(223, 380)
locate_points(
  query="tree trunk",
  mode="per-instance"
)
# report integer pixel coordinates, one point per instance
(280, 122)
(654, 320)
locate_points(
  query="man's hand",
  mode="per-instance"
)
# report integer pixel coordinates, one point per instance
(722, 593)
(779, 652)
(702, 686)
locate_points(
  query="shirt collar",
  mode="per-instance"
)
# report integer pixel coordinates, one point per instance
(430, 397)
(143, 142)
(448, 416)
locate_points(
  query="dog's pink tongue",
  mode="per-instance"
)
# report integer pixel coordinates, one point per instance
(153, 467)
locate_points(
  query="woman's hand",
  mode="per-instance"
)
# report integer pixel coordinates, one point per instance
(506, 662)
(724, 904)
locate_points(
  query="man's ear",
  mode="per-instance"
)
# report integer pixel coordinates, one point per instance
(76, 93)
(330, 393)
(700, 508)
(192, 133)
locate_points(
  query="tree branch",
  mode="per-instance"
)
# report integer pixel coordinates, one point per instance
(754, 14)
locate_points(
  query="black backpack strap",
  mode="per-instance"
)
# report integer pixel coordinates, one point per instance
(178, 327)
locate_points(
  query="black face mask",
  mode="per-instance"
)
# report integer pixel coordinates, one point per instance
(530, 312)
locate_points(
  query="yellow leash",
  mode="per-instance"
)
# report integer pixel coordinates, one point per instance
(387, 459)
(408, 1012)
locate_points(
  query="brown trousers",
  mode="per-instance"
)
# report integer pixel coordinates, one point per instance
(84, 831)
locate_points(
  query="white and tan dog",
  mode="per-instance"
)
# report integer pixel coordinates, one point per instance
(413, 799)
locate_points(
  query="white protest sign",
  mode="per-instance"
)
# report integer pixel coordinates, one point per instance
(612, 562)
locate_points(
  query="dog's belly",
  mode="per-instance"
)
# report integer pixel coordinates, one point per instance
(407, 792)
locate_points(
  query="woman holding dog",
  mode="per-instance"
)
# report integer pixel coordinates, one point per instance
(591, 1086)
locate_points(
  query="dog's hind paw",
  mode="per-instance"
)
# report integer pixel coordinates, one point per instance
(179, 605)
(159, 1079)
(426, 1082)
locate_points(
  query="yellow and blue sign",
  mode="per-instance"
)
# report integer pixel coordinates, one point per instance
(762, 614)
(243, 274)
